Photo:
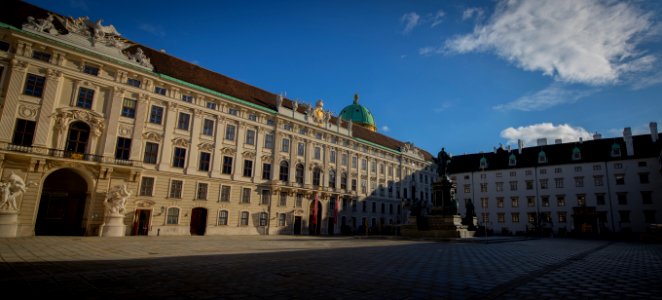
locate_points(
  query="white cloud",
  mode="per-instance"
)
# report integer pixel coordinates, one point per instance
(530, 134)
(153, 29)
(589, 41)
(472, 12)
(427, 50)
(553, 95)
(385, 128)
(437, 18)
(410, 20)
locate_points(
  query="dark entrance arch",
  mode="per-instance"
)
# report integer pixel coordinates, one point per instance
(198, 221)
(62, 204)
(315, 219)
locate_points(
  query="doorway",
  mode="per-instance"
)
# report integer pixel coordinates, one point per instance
(141, 222)
(62, 204)
(198, 221)
(297, 225)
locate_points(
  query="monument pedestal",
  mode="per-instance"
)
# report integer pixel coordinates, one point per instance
(113, 226)
(8, 223)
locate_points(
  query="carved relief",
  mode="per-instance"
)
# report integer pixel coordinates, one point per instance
(267, 158)
(228, 150)
(125, 131)
(28, 111)
(152, 136)
(248, 154)
(145, 203)
(64, 117)
(178, 141)
(140, 58)
(206, 146)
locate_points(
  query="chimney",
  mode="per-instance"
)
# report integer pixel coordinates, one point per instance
(581, 139)
(542, 141)
(597, 136)
(627, 136)
(653, 126)
(520, 145)
(558, 141)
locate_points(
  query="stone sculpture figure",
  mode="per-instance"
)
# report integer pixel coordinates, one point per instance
(443, 159)
(11, 188)
(116, 199)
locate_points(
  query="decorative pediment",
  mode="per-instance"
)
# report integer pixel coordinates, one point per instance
(248, 154)
(267, 158)
(66, 115)
(145, 203)
(206, 146)
(228, 150)
(152, 136)
(179, 141)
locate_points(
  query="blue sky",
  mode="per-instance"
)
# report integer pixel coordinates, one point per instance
(464, 75)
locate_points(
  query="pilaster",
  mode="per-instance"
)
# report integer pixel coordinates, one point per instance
(114, 108)
(9, 109)
(138, 126)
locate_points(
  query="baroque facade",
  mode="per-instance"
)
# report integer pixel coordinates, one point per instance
(103, 136)
(598, 187)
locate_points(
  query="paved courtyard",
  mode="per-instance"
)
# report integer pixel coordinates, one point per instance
(302, 267)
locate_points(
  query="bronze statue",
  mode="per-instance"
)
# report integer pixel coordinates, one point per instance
(443, 159)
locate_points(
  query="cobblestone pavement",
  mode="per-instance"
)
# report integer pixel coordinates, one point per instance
(302, 267)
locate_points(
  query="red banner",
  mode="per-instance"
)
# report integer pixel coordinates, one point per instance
(315, 203)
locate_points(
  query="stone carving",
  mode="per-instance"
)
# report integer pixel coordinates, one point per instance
(206, 146)
(140, 58)
(267, 158)
(152, 136)
(116, 200)
(442, 160)
(279, 101)
(228, 150)
(295, 105)
(178, 141)
(11, 188)
(28, 111)
(248, 154)
(64, 116)
(125, 131)
(41, 25)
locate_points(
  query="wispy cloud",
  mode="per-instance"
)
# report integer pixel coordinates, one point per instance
(153, 29)
(385, 128)
(531, 133)
(591, 42)
(553, 95)
(436, 18)
(410, 21)
(472, 12)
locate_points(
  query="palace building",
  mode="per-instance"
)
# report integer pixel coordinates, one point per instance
(96, 128)
(596, 187)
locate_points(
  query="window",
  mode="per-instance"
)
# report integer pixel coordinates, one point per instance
(649, 217)
(542, 158)
(317, 153)
(597, 167)
(211, 105)
(343, 159)
(558, 182)
(248, 168)
(282, 201)
(317, 177)
(232, 111)
(622, 198)
(624, 216)
(123, 149)
(94, 71)
(223, 217)
(208, 127)
(559, 170)
(23, 132)
(618, 166)
(284, 172)
(160, 90)
(514, 201)
(173, 216)
(43, 56)
(578, 169)
(643, 178)
(646, 197)
(581, 200)
(545, 201)
(202, 191)
(244, 218)
(543, 171)
(332, 179)
(354, 186)
(562, 217)
(483, 187)
(265, 197)
(343, 180)
(615, 150)
(263, 219)
(364, 164)
(179, 158)
(156, 114)
(129, 108)
(467, 188)
(146, 186)
(281, 219)
(205, 158)
(227, 165)
(133, 82)
(176, 189)
(245, 195)
(250, 137)
(512, 160)
(4, 46)
(299, 200)
(187, 98)
(252, 117)
(530, 201)
(499, 186)
(620, 179)
(298, 175)
(483, 163)
(514, 217)
(332, 156)
(597, 180)
(354, 162)
(301, 148)
(513, 185)
(266, 171)
(600, 199)
(85, 98)
(501, 218)
(484, 202)
(269, 141)
(151, 153)
(285, 147)
(183, 121)
(560, 200)
(229, 132)
(576, 154)
(543, 184)
(499, 202)
(579, 181)
(225, 193)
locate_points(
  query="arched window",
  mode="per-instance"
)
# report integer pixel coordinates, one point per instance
(332, 179)
(615, 150)
(298, 176)
(284, 171)
(542, 157)
(223, 217)
(173, 216)
(512, 160)
(576, 154)
(79, 134)
(317, 176)
(483, 163)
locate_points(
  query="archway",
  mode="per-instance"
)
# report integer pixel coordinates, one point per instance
(315, 218)
(198, 221)
(62, 204)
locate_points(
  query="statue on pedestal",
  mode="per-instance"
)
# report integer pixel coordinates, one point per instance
(443, 159)
(116, 200)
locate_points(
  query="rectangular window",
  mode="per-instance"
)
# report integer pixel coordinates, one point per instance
(301, 149)
(281, 219)
(643, 178)
(558, 182)
(581, 200)
(156, 114)
(513, 185)
(225, 193)
(250, 137)
(205, 159)
(85, 98)
(248, 168)
(285, 146)
(332, 156)
(514, 217)
(283, 199)
(343, 159)
(4, 46)
(211, 105)
(543, 184)
(299, 200)
(265, 197)
(620, 179)
(600, 199)
(625, 216)
(531, 201)
(187, 98)
(146, 186)
(579, 181)
(269, 141)
(172, 216)
(208, 127)
(622, 198)
(501, 218)
(183, 121)
(245, 195)
(500, 202)
(484, 202)
(483, 187)
(229, 132)
(227, 165)
(562, 217)
(232, 111)
(266, 171)
(176, 189)
(133, 82)
(514, 201)
(317, 154)
(179, 158)
(354, 162)
(252, 117)
(364, 164)
(129, 108)
(244, 218)
(202, 191)
(597, 180)
(646, 197)
(24, 132)
(43, 56)
(94, 71)
(499, 186)
(160, 90)
(151, 153)
(544, 201)
(560, 200)
(123, 148)
(223, 217)
(467, 188)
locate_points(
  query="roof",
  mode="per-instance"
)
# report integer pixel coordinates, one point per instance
(358, 114)
(16, 13)
(558, 154)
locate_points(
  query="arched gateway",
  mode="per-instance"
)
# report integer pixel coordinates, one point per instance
(62, 204)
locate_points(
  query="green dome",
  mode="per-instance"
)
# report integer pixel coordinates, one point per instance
(358, 114)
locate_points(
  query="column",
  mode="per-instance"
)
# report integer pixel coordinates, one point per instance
(194, 152)
(165, 154)
(217, 158)
(237, 169)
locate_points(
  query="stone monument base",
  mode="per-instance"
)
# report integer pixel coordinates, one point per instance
(113, 226)
(437, 227)
(8, 223)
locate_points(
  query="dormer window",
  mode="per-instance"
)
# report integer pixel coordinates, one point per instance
(133, 82)
(160, 90)
(43, 56)
(542, 157)
(576, 154)
(211, 105)
(232, 111)
(187, 98)
(92, 70)
(615, 150)
(483, 163)
(512, 160)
